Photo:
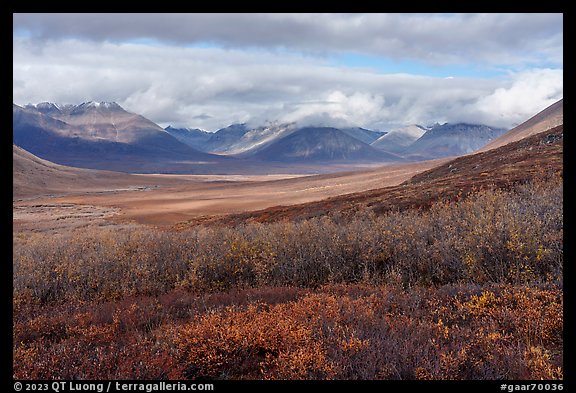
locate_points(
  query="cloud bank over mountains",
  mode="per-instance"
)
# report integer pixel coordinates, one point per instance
(497, 38)
(209, 71)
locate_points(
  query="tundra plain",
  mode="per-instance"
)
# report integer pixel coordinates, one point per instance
(445, 269)
(168, 199)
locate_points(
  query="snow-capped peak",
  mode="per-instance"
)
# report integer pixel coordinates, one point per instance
(102, 105)
(54, 109)
(45, 107)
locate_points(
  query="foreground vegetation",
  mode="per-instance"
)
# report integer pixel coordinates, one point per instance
(338, 331)
(464, 290)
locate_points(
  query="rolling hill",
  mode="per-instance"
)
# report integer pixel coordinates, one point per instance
(32, 175)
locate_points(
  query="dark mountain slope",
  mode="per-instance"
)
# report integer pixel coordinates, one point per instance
(321, 144)
(362, 134)
(452, 140)
(194, 137)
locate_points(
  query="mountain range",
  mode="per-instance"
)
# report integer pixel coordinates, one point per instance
(102, 135)
(534, 153)
(534, 148)
(322, 144)
(451, 140)
(241, 141)
(413, 142)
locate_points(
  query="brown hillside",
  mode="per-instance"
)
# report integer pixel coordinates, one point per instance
(33, 176)
(533, 157)
(548, 118)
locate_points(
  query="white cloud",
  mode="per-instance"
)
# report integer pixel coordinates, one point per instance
(529, 92)
(211, 88)
(338, 109)
(522, 95)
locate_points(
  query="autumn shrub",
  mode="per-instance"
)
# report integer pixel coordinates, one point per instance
(100, 264)
(343, 331)
(513, 236)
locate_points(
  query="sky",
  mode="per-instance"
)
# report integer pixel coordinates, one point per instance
(377, 71)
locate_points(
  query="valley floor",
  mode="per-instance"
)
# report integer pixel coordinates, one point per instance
(177, 198)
